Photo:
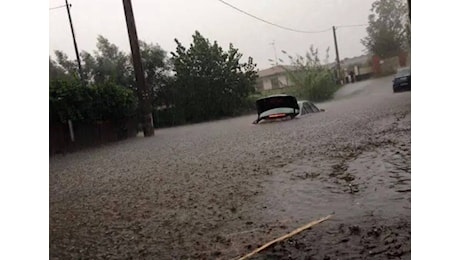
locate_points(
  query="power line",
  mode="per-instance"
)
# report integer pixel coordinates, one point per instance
(274, 24)
(52, 8)
(351, 25)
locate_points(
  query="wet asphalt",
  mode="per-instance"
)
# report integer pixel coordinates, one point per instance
(220, 189)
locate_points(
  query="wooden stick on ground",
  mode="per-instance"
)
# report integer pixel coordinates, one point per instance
(296, 231)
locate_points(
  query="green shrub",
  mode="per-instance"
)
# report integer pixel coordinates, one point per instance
(313, 80)
(318, 85)
(112, 102)
(69, 100)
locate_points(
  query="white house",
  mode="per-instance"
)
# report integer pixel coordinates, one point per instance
(274, 77)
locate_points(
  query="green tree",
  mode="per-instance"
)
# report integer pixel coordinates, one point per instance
(55, 71)
(107, 64)
(69, 67)
(210, 82)
(110, 64)
(106, 72)
(158, 72)
(388, 30)
(154, 60)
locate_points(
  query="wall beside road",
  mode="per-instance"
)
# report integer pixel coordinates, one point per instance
(88, 135)
(388, 66)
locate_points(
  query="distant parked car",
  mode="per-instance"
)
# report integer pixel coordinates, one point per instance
(401, 82)
(276, 107)
(307, 107)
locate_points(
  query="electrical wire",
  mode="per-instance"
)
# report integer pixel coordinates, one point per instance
(273, 24)
(52, 8)
(352, 25)
(287, 28)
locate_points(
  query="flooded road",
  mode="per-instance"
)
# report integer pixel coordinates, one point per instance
(218, 190)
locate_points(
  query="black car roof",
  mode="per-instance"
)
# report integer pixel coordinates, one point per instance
(403, 72)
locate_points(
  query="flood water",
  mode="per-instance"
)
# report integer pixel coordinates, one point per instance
(218, 190)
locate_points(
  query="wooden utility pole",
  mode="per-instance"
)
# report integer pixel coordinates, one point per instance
(74, 40)
(143, 92)
(336, 54)
(408, 2)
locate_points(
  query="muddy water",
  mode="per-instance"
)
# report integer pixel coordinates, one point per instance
(217, 190)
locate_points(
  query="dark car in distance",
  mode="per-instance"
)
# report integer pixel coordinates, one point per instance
(401, 82)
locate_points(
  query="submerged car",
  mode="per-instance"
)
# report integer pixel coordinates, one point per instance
(307, 107)
(276, 107)
(401, 82)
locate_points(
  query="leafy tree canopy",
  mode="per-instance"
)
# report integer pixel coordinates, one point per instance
(199, 83)
(388, 30)
(212, 82)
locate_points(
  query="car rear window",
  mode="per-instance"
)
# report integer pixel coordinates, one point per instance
(269, 103)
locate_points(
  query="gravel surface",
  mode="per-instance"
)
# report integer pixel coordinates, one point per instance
(219, 190)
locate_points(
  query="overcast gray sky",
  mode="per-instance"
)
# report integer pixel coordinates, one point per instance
(162, 21)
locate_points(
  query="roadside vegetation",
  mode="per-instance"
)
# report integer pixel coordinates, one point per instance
(69, 100)
(194, 84)
(388, 32)
(313, 80)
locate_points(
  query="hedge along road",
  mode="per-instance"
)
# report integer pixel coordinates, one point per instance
(220, 189)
